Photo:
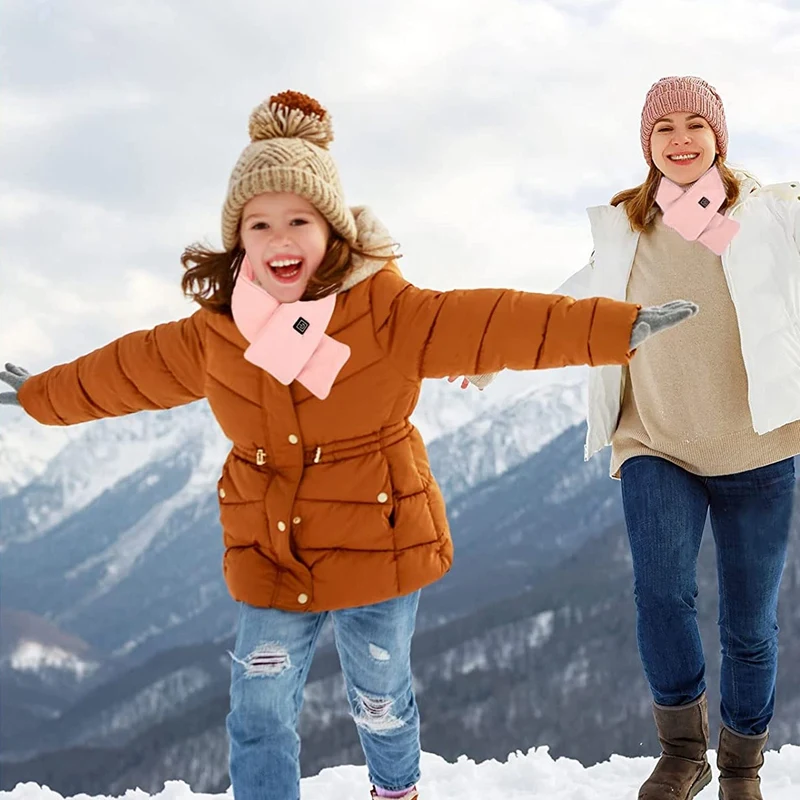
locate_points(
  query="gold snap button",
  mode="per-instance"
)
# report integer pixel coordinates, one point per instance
(296, 521)
(383, 497)
(281, 526)
(293, 439)
(302, 599)
(222, 493)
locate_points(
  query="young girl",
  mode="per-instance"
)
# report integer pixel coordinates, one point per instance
(310, 348)
(703, 419)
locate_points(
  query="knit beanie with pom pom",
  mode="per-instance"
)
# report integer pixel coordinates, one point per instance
(288, 152)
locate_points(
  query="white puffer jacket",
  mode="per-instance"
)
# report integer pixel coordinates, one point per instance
(762, 268)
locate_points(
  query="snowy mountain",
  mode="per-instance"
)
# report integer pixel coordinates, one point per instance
(108, 450)
(66, 469)
(41, 671)
(31, 644)
(520, 776)
(502, 436)
(529, 640)
(555, 664)
(511, 529)
(26, 448)
(99, 456)
(117, 540)
(543, 653)
(129, 503)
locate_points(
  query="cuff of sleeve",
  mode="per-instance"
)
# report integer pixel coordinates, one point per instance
(482, 381)
(610, 337)
(32, 396)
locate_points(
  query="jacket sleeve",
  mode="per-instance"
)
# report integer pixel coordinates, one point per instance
(787, 196)
(142, 371)
(433, 334)
(578, 285)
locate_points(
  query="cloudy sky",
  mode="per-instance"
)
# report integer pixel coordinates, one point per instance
(478, 130)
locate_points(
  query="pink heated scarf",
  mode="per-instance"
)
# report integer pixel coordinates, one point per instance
(694, 212)
(288, 340)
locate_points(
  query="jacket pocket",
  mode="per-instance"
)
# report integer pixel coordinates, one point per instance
(241, 490)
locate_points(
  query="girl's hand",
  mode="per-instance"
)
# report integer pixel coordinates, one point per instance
(14, 376)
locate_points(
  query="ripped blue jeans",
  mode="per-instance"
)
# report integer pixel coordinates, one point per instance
(271, 661)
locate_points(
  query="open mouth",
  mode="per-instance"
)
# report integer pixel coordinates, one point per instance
(286, 269)
(684, 158)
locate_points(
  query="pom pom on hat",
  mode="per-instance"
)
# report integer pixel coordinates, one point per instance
(288, 152)
(291, 115)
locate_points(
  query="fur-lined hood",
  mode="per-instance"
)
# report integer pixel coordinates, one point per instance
(373, 238)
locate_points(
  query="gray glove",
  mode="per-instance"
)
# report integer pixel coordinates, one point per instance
(14, 376)
(654, 319)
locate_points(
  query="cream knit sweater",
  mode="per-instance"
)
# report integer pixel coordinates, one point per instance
(685, 393)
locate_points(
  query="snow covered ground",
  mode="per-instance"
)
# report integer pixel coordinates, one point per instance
(527, 777)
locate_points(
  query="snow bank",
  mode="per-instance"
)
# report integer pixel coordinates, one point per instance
(526, 777)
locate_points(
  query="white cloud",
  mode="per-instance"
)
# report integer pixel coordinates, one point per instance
(26, 114)
(479, 131)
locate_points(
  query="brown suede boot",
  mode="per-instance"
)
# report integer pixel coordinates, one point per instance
(739, 759)
(683, 769)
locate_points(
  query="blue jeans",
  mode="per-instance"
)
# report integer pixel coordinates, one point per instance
(272, 657)
(665, 512)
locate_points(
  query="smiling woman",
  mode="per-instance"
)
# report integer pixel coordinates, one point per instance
(681, 145)
(684, 146)
(706, 421)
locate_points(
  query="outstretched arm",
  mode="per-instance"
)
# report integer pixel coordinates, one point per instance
(14, 376)
(649, 321)
(435, 334)
(146, 370)
(577, 286)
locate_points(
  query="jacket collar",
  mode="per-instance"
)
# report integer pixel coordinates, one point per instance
(372, 238)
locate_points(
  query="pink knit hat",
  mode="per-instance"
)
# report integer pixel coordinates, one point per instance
(687, 94)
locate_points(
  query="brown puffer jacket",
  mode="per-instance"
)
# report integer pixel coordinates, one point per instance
(331, 504)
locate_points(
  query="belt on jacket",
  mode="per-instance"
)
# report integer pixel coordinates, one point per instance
(335, 451)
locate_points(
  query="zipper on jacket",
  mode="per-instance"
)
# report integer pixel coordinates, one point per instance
(318, 455)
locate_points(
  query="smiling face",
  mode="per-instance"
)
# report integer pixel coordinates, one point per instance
(285, 239)
(684, 147)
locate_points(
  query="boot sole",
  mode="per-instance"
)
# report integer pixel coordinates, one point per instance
(700, 783)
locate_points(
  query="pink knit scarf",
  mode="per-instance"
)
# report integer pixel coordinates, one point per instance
(288, 340)
(694, 212)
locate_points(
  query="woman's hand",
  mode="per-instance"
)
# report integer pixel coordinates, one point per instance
(464, 383)
(481, 381)
(14, 376)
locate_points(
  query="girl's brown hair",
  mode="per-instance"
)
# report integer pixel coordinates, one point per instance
(640, 202)
(210, 275)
